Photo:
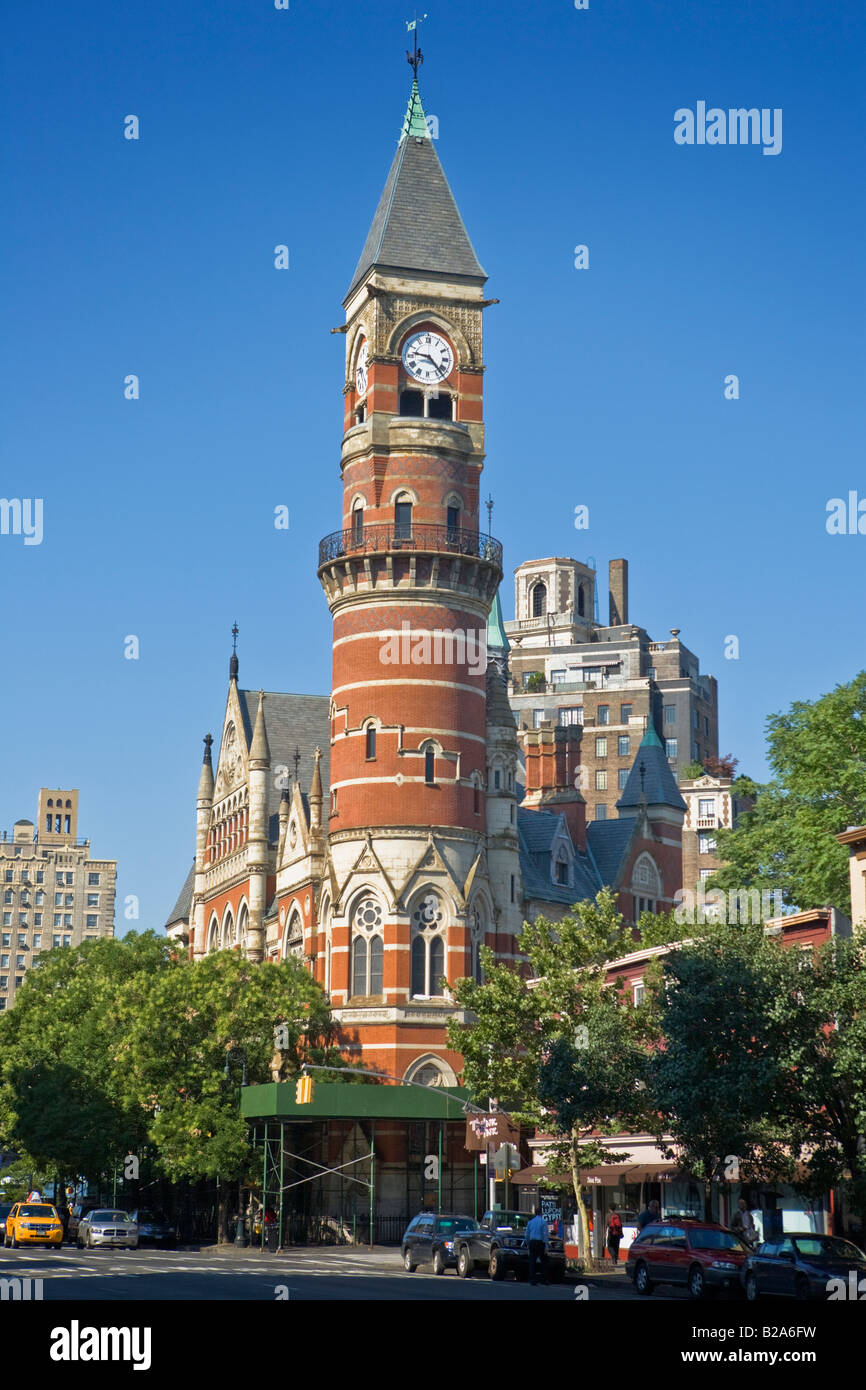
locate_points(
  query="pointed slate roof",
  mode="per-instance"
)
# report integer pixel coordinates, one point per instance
(536, 833)
(417, 225)
(657, 786)
(181, 910)
(497, 637)
(290, 721)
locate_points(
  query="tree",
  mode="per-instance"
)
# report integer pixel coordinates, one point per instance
(183, 1032)
(724, 766)
(62, 1099)
(785, 843)
(552, 1044)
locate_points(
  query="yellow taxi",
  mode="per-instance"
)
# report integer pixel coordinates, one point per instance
(33, 1223)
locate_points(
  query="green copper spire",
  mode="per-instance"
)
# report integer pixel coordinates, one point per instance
(497, 638)
(415, 122)
(651, 739)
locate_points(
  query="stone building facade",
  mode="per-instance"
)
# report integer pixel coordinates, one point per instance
(54, 891)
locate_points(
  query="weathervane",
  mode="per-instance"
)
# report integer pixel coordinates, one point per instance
(489, 505)
(416, 58)
(235, 631)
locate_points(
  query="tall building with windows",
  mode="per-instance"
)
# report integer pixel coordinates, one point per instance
(55, 892)
(610, 679)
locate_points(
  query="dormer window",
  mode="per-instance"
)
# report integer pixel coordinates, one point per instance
(561, 867)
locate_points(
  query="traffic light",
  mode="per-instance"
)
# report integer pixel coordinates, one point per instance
(304, 1090)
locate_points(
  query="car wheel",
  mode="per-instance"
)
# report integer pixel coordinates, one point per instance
(465, 1263)
(438, 1262)
(751, 1287)
(408, 1263)
(802, 1289)
(642, 1281)
(697, 1282)
(497, 1265)
(87, 1244)
(14, 1241)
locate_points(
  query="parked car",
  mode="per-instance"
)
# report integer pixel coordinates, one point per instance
(154, 1227)
(429, 1239)
(107, 1226)
(5, 1208)
(800, 1265)
(699, 1255)
(33, 1223)
(499, 1245)
(83, 1207)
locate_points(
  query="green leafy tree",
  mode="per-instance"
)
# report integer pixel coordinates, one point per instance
(553, 1045)
(786, 844)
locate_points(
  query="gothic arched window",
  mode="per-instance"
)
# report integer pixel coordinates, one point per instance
(371, 741)
(429, 763)
(367, 947)
(539, 600)
(428, 947)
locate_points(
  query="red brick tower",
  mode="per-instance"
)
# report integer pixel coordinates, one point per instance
(409, 579)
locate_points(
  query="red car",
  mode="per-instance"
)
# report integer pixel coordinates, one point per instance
(699, 1255)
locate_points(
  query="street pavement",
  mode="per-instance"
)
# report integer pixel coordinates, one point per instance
(317, 1274)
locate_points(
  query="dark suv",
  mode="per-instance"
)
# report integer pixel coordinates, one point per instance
(499, 1246)
(429, 1239)
(698, 1255)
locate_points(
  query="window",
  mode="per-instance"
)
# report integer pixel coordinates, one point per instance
(8, 896)
(538, 716)
(7, 919)
(67, 940)
(622, 778)
(4, 981)
(572, 715)
(8, 876)
(20, 962)
(91, 920)
(512, 888)
(603, 714)
(512, 813)
(57, 922)
(452, 521)
(562, 874)
(697, 719)
(601, 747)
(55, 941)
(539, 600)
(93, 900)
(601, 811)
(357, 524)
(706, 807)
(476, 799)
(69, 900)
(66, 825)
(40, 877)
(37, 919)
(706, 842)
(625, 713)
(367, 947)
(706, 726)
(439, 406)
(638, 993)
(696, 753)
(333, 801)
(371, 741)
(601, 780)
(4, 962)
(428, 948)
(58, 820)
(581, 602)
(558, 676)
(705, 874)
(411, 402)
(40, 899)
(403, 518)
(429, 765)
(92, 880)
(22, 940)
(670, 714)
(67, 919)
(37, 940)
(25, 875)
(651, 672)
(623, 746)
(48, 824)
(670, 747)
(58, 899)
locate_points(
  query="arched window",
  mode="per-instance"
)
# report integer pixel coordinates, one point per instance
(367, 947)
(358, 523)
(293, 941)
(371, 740)
(51, 801)
(429, 763)
(476, 799)
(403, 517)
(476, 941)
(539, 600)
(213, 937)
(243, 925)
(452, 521)
(581, 601)
(69, 805)
(428, 948)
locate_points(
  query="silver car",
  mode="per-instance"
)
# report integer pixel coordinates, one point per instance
(108, 1226)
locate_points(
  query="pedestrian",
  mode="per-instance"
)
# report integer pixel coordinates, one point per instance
(743, 1224)
(649, 1214)
(538, 1238)
(272, 1230)
(614, 1234)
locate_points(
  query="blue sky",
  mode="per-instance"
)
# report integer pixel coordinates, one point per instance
(605, 387)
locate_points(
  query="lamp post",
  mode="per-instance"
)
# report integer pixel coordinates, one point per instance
(240, 1240)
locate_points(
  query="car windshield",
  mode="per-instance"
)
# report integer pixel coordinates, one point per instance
(33, 1210)
(154, 1217)
(827, 1248)
(708, 1239)
(457, 1223)
(510, 1220)
(109, 1216)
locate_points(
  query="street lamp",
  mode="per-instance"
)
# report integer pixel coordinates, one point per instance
(240, 1233)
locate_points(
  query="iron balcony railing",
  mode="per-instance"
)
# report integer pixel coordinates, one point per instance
(374, 539)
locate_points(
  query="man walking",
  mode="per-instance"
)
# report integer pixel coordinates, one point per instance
(649, 1214)
(538, 1239)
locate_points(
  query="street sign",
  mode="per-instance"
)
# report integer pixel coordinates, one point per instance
(497, 1128)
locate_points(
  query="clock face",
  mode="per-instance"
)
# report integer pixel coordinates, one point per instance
(361, 369)
(427, 357)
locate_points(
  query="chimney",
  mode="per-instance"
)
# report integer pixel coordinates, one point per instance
(618, 584)
(553, 776)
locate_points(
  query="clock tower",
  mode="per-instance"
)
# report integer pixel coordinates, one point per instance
(409, 578)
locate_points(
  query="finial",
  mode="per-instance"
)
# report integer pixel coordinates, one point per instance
(489, 505)
(233, 663)
(296, 759)
(317, 753)
(208, 742)
(416, 57)
(642, 771)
